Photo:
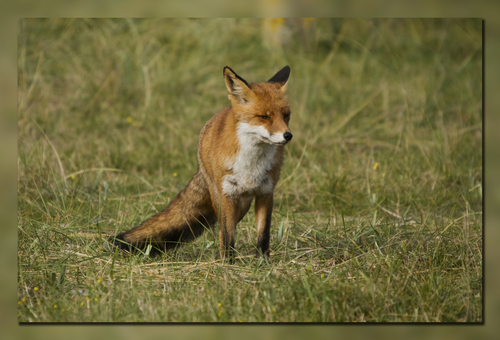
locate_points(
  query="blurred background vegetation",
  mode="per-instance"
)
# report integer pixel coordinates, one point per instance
(376, 114)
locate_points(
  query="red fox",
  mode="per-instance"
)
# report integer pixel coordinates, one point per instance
(240, 152)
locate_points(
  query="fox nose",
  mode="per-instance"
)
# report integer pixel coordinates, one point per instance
(288, 136)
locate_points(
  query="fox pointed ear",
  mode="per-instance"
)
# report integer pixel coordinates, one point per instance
(281, 78)
(238, 88)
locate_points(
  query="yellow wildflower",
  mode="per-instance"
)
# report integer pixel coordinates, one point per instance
(276, 23)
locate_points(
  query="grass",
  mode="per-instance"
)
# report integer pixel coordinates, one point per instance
(378, 213)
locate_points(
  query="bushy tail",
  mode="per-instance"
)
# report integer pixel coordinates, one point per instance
(184, 219)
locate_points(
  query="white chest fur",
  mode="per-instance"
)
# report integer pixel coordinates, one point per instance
(252, 163)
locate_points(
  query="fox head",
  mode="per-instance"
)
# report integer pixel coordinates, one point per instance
(261, 109)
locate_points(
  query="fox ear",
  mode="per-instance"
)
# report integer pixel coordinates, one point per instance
(281, 78)
(238, 88)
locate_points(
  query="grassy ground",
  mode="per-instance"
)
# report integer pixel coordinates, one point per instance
(378, 213)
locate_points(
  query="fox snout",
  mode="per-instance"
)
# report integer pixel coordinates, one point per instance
(277, 138)
(280, 139)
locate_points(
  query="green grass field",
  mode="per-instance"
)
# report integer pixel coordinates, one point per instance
(378, 213)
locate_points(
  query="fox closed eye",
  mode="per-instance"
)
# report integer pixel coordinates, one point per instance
(263, 117)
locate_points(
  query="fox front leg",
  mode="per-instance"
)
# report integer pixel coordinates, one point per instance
(228, 219)
(263, 213)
